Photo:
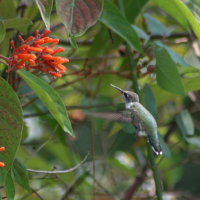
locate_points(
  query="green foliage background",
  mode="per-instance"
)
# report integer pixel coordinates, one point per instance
(148, 46)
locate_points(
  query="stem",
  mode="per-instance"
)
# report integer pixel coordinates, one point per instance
(155, 173)
(4, 58)
(3, 63)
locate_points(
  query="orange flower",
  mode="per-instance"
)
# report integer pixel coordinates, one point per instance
(2, 164)
(31, 54)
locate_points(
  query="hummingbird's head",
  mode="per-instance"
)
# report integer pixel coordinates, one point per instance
(130, 97)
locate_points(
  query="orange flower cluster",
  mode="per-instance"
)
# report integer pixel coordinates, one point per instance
(2, 164)
(37, 53)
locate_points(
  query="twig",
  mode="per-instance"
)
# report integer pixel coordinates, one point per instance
(136, 184)
(76, 182)
(59, 171)
(29, 102)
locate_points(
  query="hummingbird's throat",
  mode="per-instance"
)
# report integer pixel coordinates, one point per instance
(128, 105)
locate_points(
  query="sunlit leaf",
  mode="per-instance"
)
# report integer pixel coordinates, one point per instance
(181, 13)
(155, 26)
(50, 98)
(193, 140)
(7, 9)
(176, 58)
(140, 33)
(45, 7)
(17, 23)
(191, 84)
(185, 123)
(167, 73)
(11, 126)
(114, 20)
(78, 16)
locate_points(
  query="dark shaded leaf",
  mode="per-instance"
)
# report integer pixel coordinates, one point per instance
(150, 101)
(185, 123)
(50, 98)
(78, 16)
(2, 31)
(11, 126)
(133, 9)
(167, 73)
(114, 20)
(45, 7)
(165, 149)
(20, 174)
(9, 188)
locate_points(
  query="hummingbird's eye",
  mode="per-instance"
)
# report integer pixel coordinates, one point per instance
(126, 95)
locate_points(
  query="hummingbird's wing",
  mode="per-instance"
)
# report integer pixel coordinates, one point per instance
(125, 116)
(122, 116)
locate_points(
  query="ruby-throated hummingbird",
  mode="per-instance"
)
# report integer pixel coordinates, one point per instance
(141, 118)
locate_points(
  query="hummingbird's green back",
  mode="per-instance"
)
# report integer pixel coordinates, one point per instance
(144, 117)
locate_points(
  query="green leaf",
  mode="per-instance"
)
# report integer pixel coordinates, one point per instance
(17, 23)
(45, 7)
(176, 58)
(78, 16)
(20, 174)
(7, 9)
(140, 33)
(50, 98)
(164, 147)
(11, 121)
(150, 101)
(2, 31)
(133, 9)
(128, 128)
(185, 123)
(73, 42)
(181, 13)
(193, 140)
(191, 84)
(9, 188)
(114, 20)
(155, 27)
(167, 73)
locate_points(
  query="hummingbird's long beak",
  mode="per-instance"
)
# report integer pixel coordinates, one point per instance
(122, 91)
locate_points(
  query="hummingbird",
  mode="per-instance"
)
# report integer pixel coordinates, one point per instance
(136, 114)
(141, 118)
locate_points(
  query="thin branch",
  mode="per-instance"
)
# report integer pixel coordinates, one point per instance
(3, 63)
(59, 171)
(136, 184)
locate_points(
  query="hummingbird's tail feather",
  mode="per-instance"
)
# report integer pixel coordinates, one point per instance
(157, 150)
(155, 147)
